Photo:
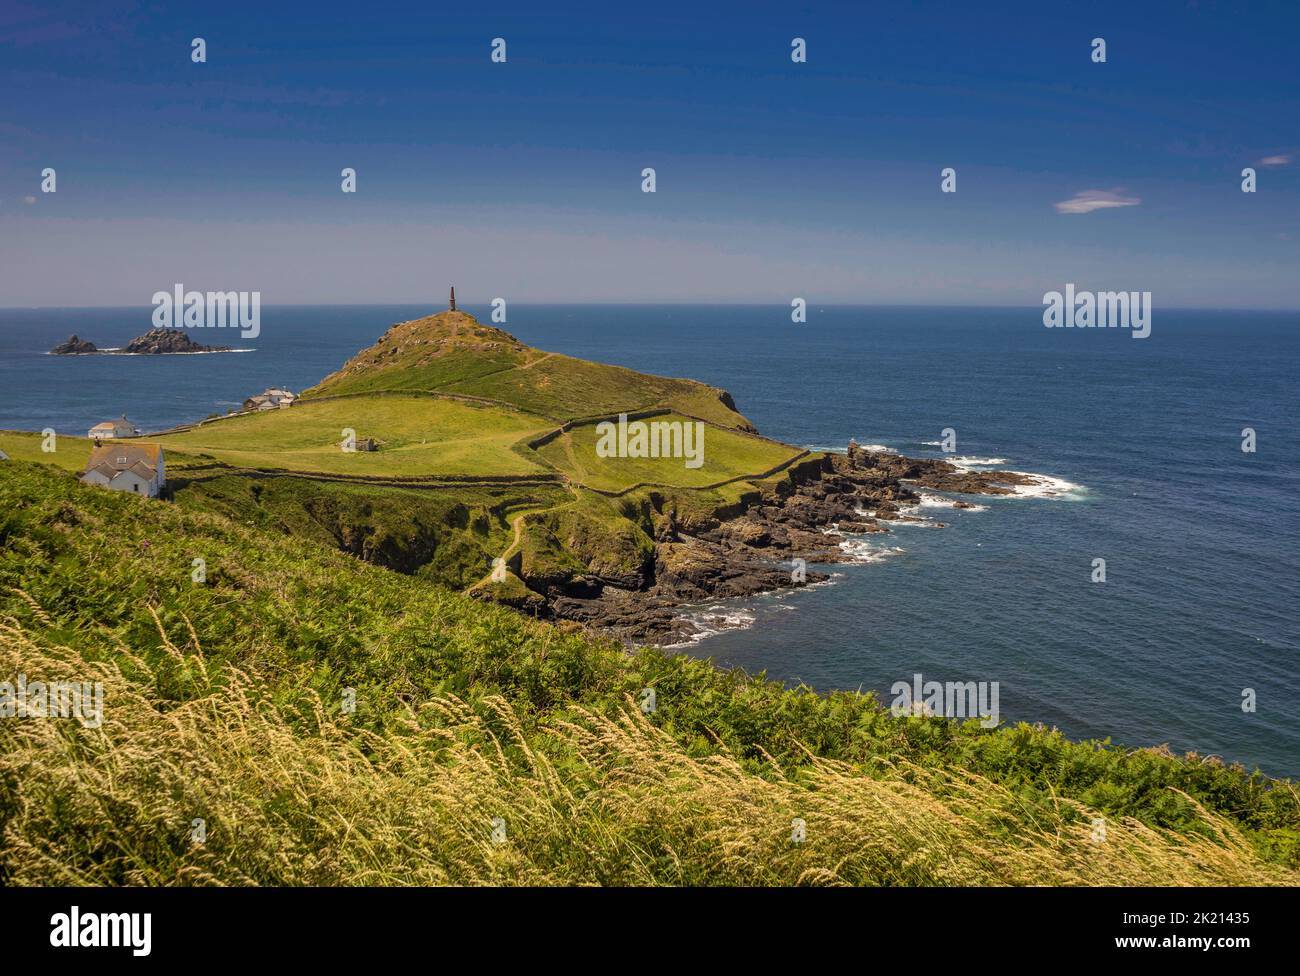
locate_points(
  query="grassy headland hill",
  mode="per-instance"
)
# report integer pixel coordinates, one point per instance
(485, 450)
(333, 722)
(481, 463)
(453, 353)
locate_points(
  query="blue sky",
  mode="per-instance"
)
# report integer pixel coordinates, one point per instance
(775, 179)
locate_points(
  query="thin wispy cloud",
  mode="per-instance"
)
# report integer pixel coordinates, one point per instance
(1086, 201)
(1279, 160)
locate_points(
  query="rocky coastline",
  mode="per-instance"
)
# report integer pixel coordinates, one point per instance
(806, 516)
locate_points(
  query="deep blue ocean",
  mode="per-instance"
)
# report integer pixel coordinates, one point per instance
(1201, 540)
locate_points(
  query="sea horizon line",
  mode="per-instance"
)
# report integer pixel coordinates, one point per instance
(677, 303)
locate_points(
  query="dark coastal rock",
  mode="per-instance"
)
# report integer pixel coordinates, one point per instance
(942, 475)
(686, 573)
(978, 482)
(74, 347)
(747, 532)
(861, 527)
(628, 615)
(158, 342)
(748, 547)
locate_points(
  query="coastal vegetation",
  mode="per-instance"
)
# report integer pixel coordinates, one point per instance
(70, 453)
(453, 353)
(726, 454)
(416, 435)
(343, 695)
(226, 703)
(472, 447)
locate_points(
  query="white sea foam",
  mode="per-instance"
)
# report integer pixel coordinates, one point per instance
(843, 448)
(942, 501)
(117, 351)
(715, 620)
(967, 462)
(830, 580)
(1045, 486)
(907, 515)
(1041, 485)
(859, 551)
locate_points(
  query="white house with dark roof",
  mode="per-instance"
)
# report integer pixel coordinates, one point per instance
(137, 468)
(112, 429)
(272, 399)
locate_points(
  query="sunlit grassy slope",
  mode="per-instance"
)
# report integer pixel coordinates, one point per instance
(70, 453)
(567, 388)
(448, 396)
(224, 701)
(726, 455)
(453, 352)
(224, 698)
(417, 435)
(454, 406)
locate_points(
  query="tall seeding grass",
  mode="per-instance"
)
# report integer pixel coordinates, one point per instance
(595, 799)
(222, 705)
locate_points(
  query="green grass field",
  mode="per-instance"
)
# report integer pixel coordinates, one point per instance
(446, 534)
(427, 354)
(567, 389)
(70, 453)
(417, 435)
(726, 455)
(223, 700)
(452, 352)
(250, 467)
(224, 694)
(440, 374)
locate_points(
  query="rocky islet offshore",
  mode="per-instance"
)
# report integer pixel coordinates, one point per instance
(155, 342)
